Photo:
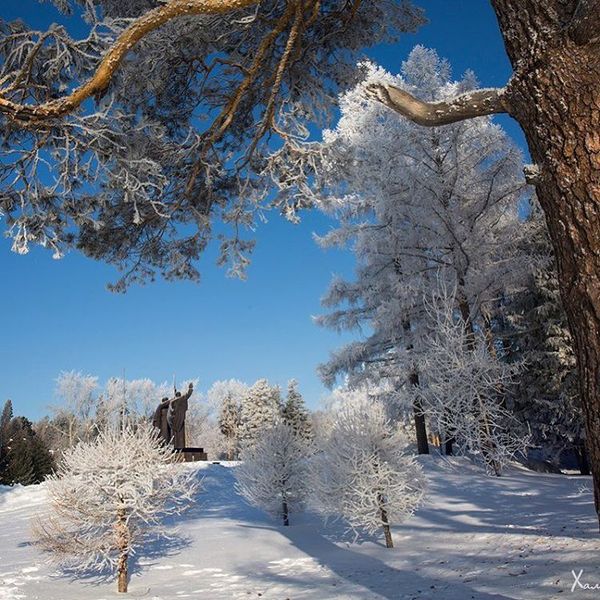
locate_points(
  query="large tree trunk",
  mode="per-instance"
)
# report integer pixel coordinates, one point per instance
(555, 96)
(582, 459)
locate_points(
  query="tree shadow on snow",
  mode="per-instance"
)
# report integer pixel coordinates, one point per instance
(374, 576)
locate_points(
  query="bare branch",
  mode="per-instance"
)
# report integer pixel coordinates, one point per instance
(477, 103)
(584, 27)
(114, 57)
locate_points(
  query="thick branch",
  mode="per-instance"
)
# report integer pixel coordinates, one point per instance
(114, 57)
(430, 114)
(584, 28)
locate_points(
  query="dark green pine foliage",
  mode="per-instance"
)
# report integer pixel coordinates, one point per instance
(546, 397)
(5, 419)
(295, 413)
(27, 460)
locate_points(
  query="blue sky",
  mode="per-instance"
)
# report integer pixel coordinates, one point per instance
(58, 316)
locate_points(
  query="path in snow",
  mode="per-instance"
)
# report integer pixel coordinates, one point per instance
(477, 538)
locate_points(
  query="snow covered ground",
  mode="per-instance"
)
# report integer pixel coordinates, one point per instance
(518, 537)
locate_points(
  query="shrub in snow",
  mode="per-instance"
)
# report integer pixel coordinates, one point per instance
(109, 497)
(274, 473)
(361, 473)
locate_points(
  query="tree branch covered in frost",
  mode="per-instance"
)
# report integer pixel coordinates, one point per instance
(274, 474)
(361, 472)
(131, 144)
(109, 498)
(463, 387)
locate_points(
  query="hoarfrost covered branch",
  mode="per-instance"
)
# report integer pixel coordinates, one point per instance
(128, 145)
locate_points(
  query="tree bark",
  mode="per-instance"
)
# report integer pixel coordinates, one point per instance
(420, 425)
(122, 532)
(389, 542)
(554, 94)
(286, 512)
(582, 459)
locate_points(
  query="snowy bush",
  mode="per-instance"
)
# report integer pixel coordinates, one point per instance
(109, 497)
(361, 473)
(274, 473)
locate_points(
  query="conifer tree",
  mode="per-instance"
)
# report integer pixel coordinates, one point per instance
(5, 419)
(534, 326)
(260, 410)
(110, 497)
(362, 474)
(27, 458)
(295, 414)
(274, 473)
(229, 424)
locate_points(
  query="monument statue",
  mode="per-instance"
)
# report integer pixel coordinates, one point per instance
(160, 420)
(176, 417)
(169, 418)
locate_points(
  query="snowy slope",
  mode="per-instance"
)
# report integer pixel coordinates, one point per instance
(517, 537)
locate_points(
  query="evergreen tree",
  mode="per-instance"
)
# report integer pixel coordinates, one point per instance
(259, 411)
(546, 397)
(27, 458)
(274, 473)
(229, 424)
(5, 419)
(295, 414)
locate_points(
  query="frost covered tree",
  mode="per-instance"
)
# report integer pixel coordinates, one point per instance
(260, 410)
(553, 48)
(465, 386)
(414, 205)
(227, 397)
(85, 407)
(229, 424)
(362, 473)
(274, 472)
(74, 414)
(161, 119)
(295, 413)
(109, 498)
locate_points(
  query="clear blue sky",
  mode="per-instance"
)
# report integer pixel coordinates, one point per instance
(57, 315)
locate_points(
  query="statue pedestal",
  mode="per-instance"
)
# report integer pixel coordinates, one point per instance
(191, 454)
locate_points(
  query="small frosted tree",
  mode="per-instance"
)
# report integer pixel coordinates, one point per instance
(295, 414)
(261, 408)
(226, 397)
(464, 388)
(109, 497)
(361, 473)
(274, 473)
